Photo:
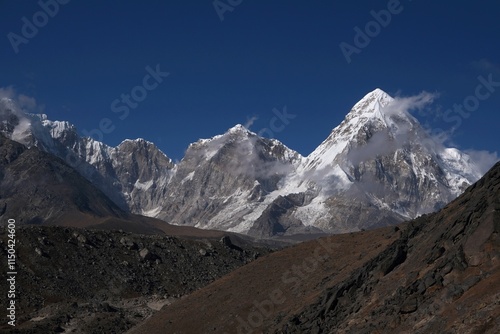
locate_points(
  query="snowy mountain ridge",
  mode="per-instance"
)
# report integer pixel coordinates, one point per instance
(378, 167)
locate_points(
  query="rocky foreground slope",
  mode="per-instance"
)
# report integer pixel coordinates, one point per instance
(439, 273)
(92, 281)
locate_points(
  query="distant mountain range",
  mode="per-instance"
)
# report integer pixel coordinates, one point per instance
(378, 167)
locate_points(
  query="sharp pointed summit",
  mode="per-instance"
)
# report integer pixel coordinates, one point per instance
(379, 95)
(371, 103)
(238, 128)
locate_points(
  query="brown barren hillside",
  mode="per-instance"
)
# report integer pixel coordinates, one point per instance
(438, 273)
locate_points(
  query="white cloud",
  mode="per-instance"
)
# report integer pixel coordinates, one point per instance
(18, 105)
(21, 130)
(250, 121)
(410, 103)
(483, 159)
(21, 102)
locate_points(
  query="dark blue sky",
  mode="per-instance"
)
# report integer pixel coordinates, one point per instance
(263, 55)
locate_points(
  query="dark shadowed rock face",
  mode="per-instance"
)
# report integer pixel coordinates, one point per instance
(278, 219)
(37, 187)
(143, 173)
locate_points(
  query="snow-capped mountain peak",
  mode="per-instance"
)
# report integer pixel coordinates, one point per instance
(58, 129)
(381, 153)
(239, 129)
(236, 131)
(372, 104)
(379, 108)
(374, 113)
(137, 142)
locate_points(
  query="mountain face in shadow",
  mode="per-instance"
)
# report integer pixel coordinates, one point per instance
(37, 187)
